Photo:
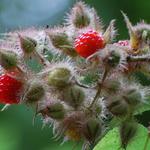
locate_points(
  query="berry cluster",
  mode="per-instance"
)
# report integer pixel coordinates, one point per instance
(76, 77)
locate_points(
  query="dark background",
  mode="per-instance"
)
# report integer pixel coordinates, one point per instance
(16, 129)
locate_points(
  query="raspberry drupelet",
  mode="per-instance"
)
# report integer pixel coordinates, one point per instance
(88, 43)
(10, 89)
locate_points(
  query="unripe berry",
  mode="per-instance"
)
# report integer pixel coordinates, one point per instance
(28, 44)
(123, 43)
(59, 77)
(80, 18)
(59, 39)
(10, 89)
(8, 60)
(111, 86)
(117, 106)
(132, 97)
(88, 43)
(113, 60)
(74, 96)
(34, 93)
(128, 130)
(55, 111)
(61, 42)
(71, 125)
(92, 129)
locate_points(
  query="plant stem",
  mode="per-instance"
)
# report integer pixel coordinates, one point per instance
(143, 58)
(99, 89)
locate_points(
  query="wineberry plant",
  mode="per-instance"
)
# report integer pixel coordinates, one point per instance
(78, 77)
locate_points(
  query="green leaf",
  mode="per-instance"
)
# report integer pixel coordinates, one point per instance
(89, 78)
(111, 140)
(142, 77)
(142, 108)
(34, 65)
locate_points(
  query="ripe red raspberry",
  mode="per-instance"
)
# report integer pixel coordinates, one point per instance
(10, 89)
(88, 43)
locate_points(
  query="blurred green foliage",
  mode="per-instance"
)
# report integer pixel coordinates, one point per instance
(112, 142)
(16, 129)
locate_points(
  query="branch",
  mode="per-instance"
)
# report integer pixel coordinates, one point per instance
(144, 58)
(99, 89)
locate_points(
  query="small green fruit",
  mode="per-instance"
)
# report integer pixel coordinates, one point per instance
(56, 111)
(28, 45)
(128, 130)
(132, 97)
(113, 59)
(35, 93)
(59, 77)
(111, 86)
(92, 129)
(8, 60)
(74, 96)
(80, 17)
(117, 106)
(61, 41)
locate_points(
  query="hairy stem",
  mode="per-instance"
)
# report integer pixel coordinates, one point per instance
(99, 88)
(144, 58)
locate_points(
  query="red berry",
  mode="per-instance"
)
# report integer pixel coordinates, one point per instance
(123, 43)
(88, 43)
(10, 89)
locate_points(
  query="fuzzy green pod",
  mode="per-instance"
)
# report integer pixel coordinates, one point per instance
(92, 129)
(114, 59)
(80, 17)
(34, 93)
(128, 130)
(8, 59)
(73, 95)
(132, 97)
(59, 77)
(56, 111)
(111, 86)
(61, 41)
(117, 106)
(28, 44)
